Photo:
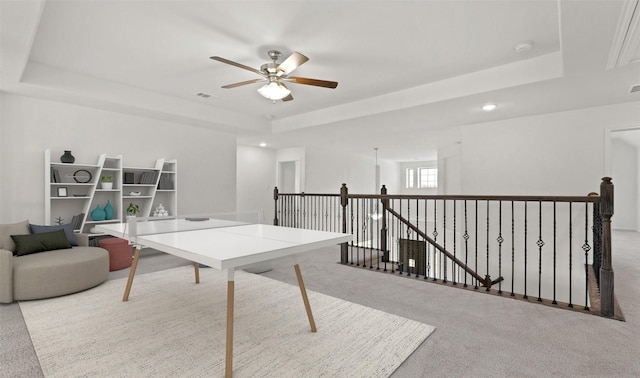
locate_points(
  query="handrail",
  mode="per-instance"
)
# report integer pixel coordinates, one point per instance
(507, 198)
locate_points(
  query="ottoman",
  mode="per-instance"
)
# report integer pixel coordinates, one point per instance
(120, 253)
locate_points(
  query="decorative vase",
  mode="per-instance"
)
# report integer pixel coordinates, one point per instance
(108, 211)
(98, 214)
(67, 158)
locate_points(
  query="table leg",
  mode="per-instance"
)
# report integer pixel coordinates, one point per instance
(307, 306)
(228, 367)
(196, 268)
(132, 273)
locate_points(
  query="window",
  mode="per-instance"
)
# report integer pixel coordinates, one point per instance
(409, 177)
(421, 178)
(428, 177)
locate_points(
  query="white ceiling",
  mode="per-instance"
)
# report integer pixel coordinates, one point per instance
(408, 71)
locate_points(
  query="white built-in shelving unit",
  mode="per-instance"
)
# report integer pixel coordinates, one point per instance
(73, 190)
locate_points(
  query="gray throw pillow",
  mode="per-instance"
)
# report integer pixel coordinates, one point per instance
(68, 231)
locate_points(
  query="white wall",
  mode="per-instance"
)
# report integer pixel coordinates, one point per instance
(624, 167)
(327, 169)
(206, 159)
(449, 166)
(256, 179)
(550, 154)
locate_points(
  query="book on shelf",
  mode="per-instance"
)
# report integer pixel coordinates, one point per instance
(55, 175)
(165, 183)
(148, 178)
(76, 221)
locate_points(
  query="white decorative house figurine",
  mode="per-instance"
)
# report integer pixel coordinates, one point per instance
(160, 211)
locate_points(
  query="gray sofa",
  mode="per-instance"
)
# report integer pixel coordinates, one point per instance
(48, 273)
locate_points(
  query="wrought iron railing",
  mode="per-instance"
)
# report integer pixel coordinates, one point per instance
(542, 248)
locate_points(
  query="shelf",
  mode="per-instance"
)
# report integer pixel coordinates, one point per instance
(76, 166)
(138, 169)
(72, 184)
(70, 198)
(134, 197)
(102, 221)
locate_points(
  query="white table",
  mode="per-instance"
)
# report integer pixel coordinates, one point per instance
(223, 245)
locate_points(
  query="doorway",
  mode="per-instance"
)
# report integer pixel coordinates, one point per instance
(289, 176)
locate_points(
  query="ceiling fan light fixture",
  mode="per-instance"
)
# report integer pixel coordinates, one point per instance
(274, 91)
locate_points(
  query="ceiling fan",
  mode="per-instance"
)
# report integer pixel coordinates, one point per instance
(275, 75)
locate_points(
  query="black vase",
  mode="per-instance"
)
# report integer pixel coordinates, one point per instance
(67, 157)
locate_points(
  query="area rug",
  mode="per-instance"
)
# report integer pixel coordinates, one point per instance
(171, 327)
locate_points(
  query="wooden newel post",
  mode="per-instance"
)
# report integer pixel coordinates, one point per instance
(606, 269)
(383, 228)
(344, 201)
(275, 206)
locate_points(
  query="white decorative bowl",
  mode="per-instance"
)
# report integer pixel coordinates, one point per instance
(134, 193)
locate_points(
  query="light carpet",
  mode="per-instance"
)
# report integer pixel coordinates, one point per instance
(172, 327)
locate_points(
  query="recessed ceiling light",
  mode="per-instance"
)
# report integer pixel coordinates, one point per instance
(524, 47)
(263, 144)
(489, 107)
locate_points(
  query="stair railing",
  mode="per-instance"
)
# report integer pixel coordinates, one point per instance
(541, 245)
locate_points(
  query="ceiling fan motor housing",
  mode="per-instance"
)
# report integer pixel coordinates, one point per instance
(269, 68)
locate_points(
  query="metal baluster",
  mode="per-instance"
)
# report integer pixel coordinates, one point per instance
(466, 243)
(303, 212)
(417, 250)
(570, 253)
(392, 245)
(334, 219)
(513, 248)
(288, 211)
(554, 252)
(377, 234)
(455, 237)
(329, 221)
(525, 250)
(444, 239)
(540, 245)
(428, 246)
(586, 248)
(500, 240)
(357, 228)
(369, 228)
(476, 245)
(488, 277)
(399, 235)
(435, 238)
(411, 252)
(351, 207)
(314, 213)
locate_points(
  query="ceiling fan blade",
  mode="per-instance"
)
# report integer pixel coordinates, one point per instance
(294, 61)
(229, 86)
(227, 61)
(316, 82)
(288, 98)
